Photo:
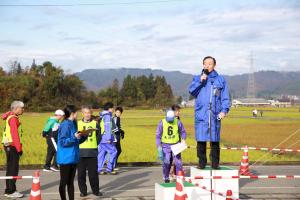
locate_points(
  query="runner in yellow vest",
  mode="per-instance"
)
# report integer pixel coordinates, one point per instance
(169, 131)
(12, 141)
(88, 154)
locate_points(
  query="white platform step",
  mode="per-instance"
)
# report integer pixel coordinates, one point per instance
(166, 191)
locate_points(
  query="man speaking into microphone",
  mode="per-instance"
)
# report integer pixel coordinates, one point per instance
(212, 103)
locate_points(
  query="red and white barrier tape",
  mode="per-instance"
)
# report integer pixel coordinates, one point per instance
(205, 188)
(15, 177)
(261, 149)
(249, 177)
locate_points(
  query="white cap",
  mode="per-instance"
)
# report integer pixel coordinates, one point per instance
(170, 116)
(59, 113)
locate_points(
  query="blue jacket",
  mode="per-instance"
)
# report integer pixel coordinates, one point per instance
(109, 127)
(68, 144)
(214, 90)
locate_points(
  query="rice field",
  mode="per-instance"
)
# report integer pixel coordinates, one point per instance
(238, 129)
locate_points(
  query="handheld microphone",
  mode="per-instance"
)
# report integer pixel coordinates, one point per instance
(205, 71)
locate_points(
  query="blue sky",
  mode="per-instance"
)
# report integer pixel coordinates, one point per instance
(171, 35)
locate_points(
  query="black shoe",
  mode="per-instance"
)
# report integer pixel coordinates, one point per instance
(200, 167)
(98, 194)
(216, 167)
(167, 181)
(83, 194)
(47, 169)
(55, 169)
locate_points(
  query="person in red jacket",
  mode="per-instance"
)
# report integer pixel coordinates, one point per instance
(12, 141)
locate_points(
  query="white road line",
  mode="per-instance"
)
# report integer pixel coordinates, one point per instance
(254, 188)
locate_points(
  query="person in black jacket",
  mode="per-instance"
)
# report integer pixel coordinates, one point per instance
(119, 134)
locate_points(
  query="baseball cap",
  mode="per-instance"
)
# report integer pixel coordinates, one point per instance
(59, 113)
(170, 116)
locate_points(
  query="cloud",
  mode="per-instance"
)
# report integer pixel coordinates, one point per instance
(42, 26)
(161, 38)
(143, 27)
(12, 42)
(79, 40)
(173, 38)
(72, 38)
(90, 42)
(148, 37)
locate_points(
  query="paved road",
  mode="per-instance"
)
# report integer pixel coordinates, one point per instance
(137, 183)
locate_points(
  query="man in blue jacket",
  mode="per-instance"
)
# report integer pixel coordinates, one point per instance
(212, 103)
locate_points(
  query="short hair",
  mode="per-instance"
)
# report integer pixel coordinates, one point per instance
(86, 107)
(209, 57)
(119, 108)
(16, 104)
(108, 105)
(175, 107)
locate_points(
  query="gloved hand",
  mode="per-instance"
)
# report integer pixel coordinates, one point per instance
(20, 153)
(160, 153)
(45, 134)
(122, 134)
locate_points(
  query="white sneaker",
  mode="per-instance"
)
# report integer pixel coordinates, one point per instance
(14, 195)
(47, 170)
(54, 169)
(117, 169)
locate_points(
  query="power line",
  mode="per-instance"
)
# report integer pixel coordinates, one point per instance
(88, 4)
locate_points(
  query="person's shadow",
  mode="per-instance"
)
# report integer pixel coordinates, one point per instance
(123, 183)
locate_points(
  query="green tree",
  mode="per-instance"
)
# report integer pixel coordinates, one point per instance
(129, 91)
(164, 95)
(179, 100)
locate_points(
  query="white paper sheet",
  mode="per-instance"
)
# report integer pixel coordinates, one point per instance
(178, 148)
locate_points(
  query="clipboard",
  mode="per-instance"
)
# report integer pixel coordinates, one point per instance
(87, 131)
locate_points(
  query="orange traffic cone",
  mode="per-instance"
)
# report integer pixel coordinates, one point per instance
(180, 194)
(35, 193)
(229, 195)
(244, 168)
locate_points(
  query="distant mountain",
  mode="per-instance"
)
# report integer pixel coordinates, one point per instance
(96, 79)
(267, 83)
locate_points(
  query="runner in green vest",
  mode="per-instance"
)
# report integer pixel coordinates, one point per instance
(169, 131)
(50, 134)
(88, 154)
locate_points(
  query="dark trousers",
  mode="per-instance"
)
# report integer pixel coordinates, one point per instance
(51, 153)
(119, 150)
(214, 154)
(12, 168)
(67, 174)
(90, 164)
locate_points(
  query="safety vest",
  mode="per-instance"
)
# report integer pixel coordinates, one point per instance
(7, 139)
(91, 141)
(170, 133)
(102, 126)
